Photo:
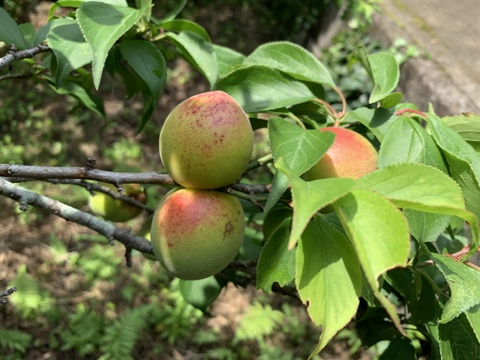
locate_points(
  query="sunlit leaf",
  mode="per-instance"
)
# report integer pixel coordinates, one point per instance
(328, 278)
(291, 59)
(300, 148)
(102, 25)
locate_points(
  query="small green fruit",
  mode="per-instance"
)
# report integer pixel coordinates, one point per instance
(197, 233)
(350, 156)
(117, 210)
(274, 219)
(206, 141)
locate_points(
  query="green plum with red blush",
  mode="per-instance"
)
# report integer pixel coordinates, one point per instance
(196, 233)
(206, 141)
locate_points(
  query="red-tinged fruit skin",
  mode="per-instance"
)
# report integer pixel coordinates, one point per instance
(206, 141)
(197, 233)
(350, 156)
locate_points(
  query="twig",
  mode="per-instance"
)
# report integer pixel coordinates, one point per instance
(26, 197)
(92, 188)
(7, 293)
(22, 54)
(53, 172)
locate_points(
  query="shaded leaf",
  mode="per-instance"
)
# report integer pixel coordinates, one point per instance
(180, 25)
(227, 59)
(198, 52)
(260, 88)
(457, 340)
(464, 283)
(276, 263)
(9, 31)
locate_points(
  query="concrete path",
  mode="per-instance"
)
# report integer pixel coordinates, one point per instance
(447, 33)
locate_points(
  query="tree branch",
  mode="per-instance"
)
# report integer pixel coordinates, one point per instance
(14, 55)
(26, 197)
(52, 172)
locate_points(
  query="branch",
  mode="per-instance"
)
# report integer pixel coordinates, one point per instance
(53, 174)
(47, 173)
(14, 55)
(26, 197)
(7, 293)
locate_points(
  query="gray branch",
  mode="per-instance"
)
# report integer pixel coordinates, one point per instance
(26, 197)
(22, 54)
(84, 173)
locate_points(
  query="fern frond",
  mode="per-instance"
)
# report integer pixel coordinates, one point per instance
(258, 322)
(122, 335)
(14, 340)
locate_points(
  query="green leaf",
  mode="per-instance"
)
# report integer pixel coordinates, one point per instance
(180, 25)
(391, 100)
(28, 33)
(261, 88)
(227, 59)
(198, 52)
(379, 233)
(463, 160)
(385, 74)
(325, 259)
(464, 282)
(149, 64)
(473, 317)
(457, 340)
(426, 227)
(300, 148)
(70, 49)
(383, 70)
(291, 59)
(9, 31)
(467, 126)
(309, 197)
(415, 186)
(464, 164)
(200, 293)
(89, 100)
(400, 348)
(423, 188)
(276, 263)
(77, 3)
(102, 25)
(376, 120)
(406, 141)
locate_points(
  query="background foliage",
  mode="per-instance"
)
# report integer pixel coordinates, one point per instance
(79, 301)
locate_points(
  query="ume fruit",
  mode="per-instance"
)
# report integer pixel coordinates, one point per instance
(197, 233)
(206, 141)
(350, 156)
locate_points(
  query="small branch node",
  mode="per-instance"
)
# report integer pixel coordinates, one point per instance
(128, 256)
(23, 204)
(90, 165)
(6, 293)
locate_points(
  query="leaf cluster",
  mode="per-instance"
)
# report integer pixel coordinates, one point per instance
(393, 254)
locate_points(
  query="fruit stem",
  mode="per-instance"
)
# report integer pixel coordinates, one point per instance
(298, 121)
(254, 199)
(413, 111)
(259, 162)
(342, 113)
